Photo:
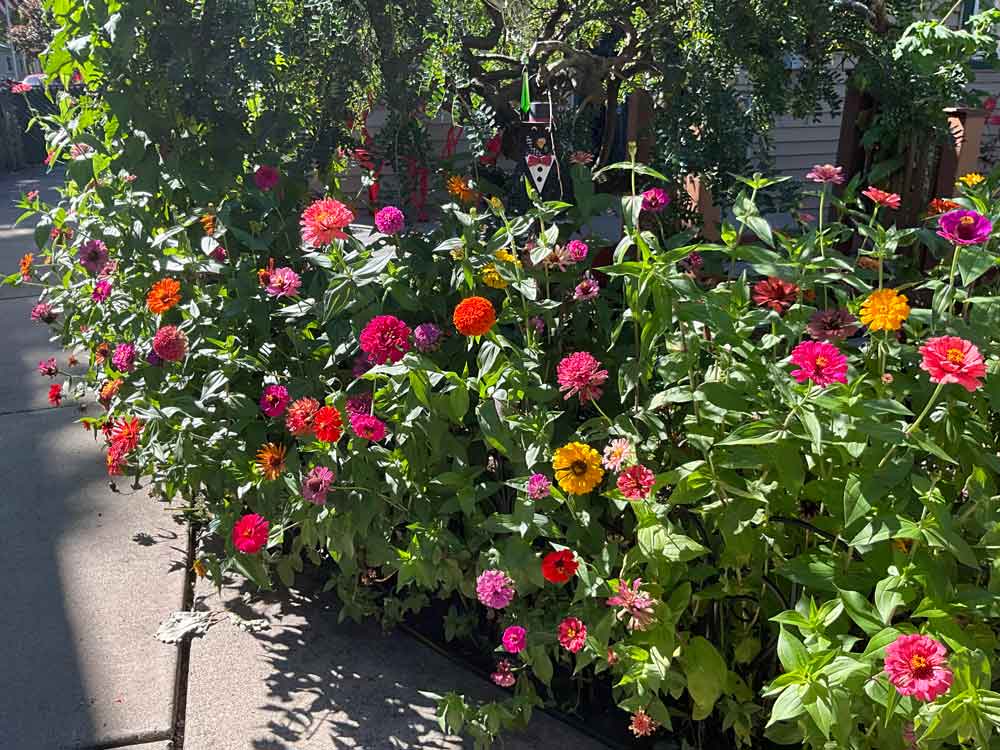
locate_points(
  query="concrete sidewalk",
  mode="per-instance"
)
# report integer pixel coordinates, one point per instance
(91, 573)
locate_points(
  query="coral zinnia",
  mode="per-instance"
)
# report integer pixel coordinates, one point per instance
(164, 294)
(324, 221)
(317, 484)
(826, 173)
(385, 339)
(461, 190)
(636, 482)
(494, 589)
(300, 416)
(917, 665)
(775, 293)
(820, 362)
(271, 460)
(832, 325)
(126, 433)
(328, 424)
(368, 427)
(884, 310)
(580, 374)
(170, 343)
(949, 359)
(250, 533)
(965, 227)
(474, 316)
(274, 400)
(642, 724)
(882, 198)
(578, 468)
(572, 634)
(559, 566)
(940, 206)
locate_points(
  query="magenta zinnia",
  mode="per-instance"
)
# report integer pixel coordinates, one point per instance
(539, 486)
(655, 200)
(389, 220)
(494, 589)
(283, 282)
(917, 665)
(385, 339)
(965, 227)
(820, 362)
(368, 427)
(274, 400)
(580, 374)
(572, 634)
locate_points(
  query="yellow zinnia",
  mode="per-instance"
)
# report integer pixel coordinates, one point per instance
(578, 468)
(884, 310)
(492, 277)
(972, 179)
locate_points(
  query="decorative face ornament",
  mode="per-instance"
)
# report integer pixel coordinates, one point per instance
(538, 158)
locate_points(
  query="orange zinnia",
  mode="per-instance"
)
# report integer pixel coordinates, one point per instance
(208, 223)
(474, 316)
(271, 460)
(460, 189)
(26, 261)
(165, 294)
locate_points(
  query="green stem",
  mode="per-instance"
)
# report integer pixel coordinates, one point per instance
(916, 423)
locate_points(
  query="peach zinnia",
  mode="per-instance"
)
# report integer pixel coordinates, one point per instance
(949, 359)
(271, 460)
(324, 221)
(164, 294)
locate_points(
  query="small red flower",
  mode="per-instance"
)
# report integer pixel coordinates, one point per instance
(882, 198)
(572, 634)
(560, 566)
(250, 533)
(775, 293)
(55, 394)
(328, 424)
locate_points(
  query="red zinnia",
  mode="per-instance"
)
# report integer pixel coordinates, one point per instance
(775, 293)
(572, 634)
(324, 221)
(126, 433)
(328, 424)
(559, 567)
(250, 533)
(55, 394)
(300, 416)
(882, 198)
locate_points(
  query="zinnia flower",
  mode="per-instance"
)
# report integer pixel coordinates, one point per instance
(882, 198)
(299, 419)
(559, 566)
(775, 293)
(328, 424)
(102, 290)
(636, 482)
(461, 190)
(884, 310)
(207, 222)
(324, 221)
(572, 634)
(389, 220)
(48, 368)
(474, 316)
(949, 359)
(283, 282)
(539, 486)
(93, 254)
(368, 427)
(618, 453)
(577, 250)
(170, 344)
(164, 294)
(578, 468)
(494, 589)
(317, 484)
(515, 638)
(360, 404)
(636, 606)
(586, 290)
(504, 676)
(274, 400)
(385, 339)
(125, 434)
(427, 337)
(271, 460)
(492, 278)
(820, 362)
(558, 258)
(580, 374)
(655, 200)
(940, 206)
(24, 266)
(582, 158)
(55, 394)
(218, 254)
(108, 391)
(965, 227)
(642, 724)
(832, 325)
(124, 357)
(972, 179)
(266, 177)
(917, 665)
(43, 312)
(826, 173)
(250, 534)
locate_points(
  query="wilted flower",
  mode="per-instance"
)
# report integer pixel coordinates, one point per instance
(43, 312)
(832, 325)
(503, 676)
(824, 173)
(636, 606)
(427, 337)
(317, 484)
(642, 724)
(581, 157)
(93, 254)
(882, 198)
(588, 289)
(775, 293)
(48, 368)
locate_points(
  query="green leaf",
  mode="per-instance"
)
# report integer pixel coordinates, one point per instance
(791, 653)
(656, 541)
(788, 705)
(706, 673)
(973, 263)
(861, 611)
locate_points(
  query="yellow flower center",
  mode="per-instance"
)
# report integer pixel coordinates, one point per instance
(821, 362)
(955, 356)
(966, 221)
(579, 468)
(917, 661)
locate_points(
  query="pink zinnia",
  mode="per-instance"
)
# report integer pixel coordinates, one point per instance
(655, 200)
(618, 453)
(586, 290)
(170, 344)
(582, 158)
(917, 665)
(826, 173)
(572, 634)
(642, 724)
(266, 177)
(93, 254)
(367, 427)
(124, 358)
(820, 362)
(250, 533)
(504, 676)
(102, 290)
(882, 198)
(949, 359)
(299, 419)
(636, 482)
(539, 486)
(580, 374)
(389, 220)
(48, 368)
(577, 250)
(324, 221)
(385, 339)
(317, 484)
(636, 605)
(360, 404)
(43, 312)
(515, 638)
(283, 282)
(494, 589)
(274, 400)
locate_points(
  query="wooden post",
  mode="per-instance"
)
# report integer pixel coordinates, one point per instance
(961, 156)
